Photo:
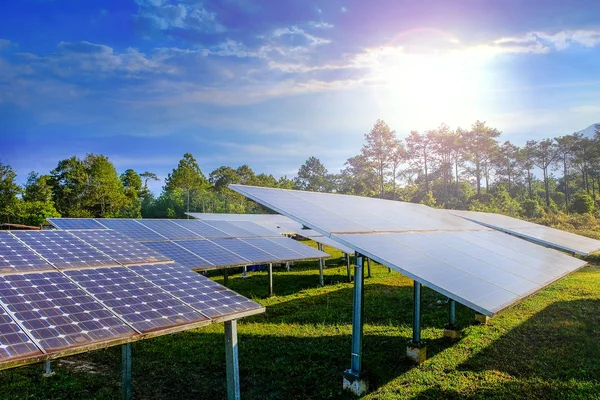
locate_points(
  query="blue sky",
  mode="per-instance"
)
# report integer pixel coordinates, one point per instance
(270, 83)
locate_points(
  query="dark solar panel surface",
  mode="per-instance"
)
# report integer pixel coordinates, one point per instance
(213, 253)
(140, 303)
(75, 223)
(63, 250)
(230, 229)
(246, 250)
(131, 228)
(13, 341)
(201, 228)
(119, 247)
(56, 312)
(201, 293)
(306, 251)
(255, 229)
(280, 252)
(15, 256)
(179, 254)
(169, 229)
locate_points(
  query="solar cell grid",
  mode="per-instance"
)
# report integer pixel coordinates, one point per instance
(249, 252)
(169, 229)
(119, 247)
(255, 229)
(179, 254)
(75, 223)
(213, 253)
(140, 303)
(13, 341)
(306, 251)
(230, 229)
(15, 256)
(200, 228)
(201, 293)
(280, 252)
(63, 250)
(132, 229)
(56, 312)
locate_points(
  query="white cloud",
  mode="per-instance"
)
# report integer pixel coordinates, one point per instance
(544, 42)
(321, 25)
(344, 9)
(4, 44)
(183, 14)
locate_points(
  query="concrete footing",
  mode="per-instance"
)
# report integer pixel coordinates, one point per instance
(356, 384)
(482, 319)
(451, 333)
(417, 352)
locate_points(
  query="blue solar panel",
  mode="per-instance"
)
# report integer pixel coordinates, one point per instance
(249, 252)
(256, 229)
(306, 251)
(131, 228)
(281, 253)
(56, 312)
(142, 304)
(201, 228)
(213, 253)
(14, 343)
(63, 250)
(75, 223)
(169, 229)
(15, 256)
(230, 229)
(179, 254)
(201, 293)
(119, 247)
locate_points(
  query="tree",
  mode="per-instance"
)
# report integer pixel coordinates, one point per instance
(9, 190)
(37, 204)
(312, 176)
(479, 146)
(358, 177)
(583, 203)
(132, 186)
(223, 176)
(69, 180)
(542, 154)
(566, 146)
(187, 177)
(381, 144)
(506, 162)
(104, 194)
(419, 148)
(148, 176)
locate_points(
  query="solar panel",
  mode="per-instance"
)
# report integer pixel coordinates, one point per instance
(306, 251)
(119, 247)
(15, 256)
(132, 229)
(63, 250)
(561, 240)
(14, 343)
(140, 303)
(75, 223)
(56, 312)
(201, 228)
(327, 241)
(179, 254)
(201, 293)
(215, 254)
(230, 229)
(255, 229)
(280, 253)
(245, 250)
(169, 229)
(238, 217)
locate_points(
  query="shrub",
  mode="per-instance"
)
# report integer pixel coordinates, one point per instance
(582, 203)
(531, 209)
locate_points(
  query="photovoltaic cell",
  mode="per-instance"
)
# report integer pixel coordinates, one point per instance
(327, 241)
(201, 228)
(201, 293)
(169, 229)
(247, 251)
(213, 253)
(63, 250)
(14, 343)
(75, 223)
(131, 228)
(281, 253)
(238, 217)
(179, 254)
(119, 247)
(306, 251)
(15, 256)
(255, 229)
(230, 229)
(56, 312)
(140, 303)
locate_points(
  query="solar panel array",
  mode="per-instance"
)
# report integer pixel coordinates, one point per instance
(475, 265)
(65, 292)
(197, 244)
(561, 240)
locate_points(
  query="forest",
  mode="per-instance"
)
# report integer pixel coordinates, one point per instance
(469, 169)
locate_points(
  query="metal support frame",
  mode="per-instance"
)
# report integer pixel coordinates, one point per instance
(321, 266)
(368, 267)
(231, 360)
(226, 276)
(244, 271)
(47, 369)
(451, 314)
(126, 371)
(270, 273)
(348, 268)
(416, 336)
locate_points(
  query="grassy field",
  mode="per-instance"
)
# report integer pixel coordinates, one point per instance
(547, 347)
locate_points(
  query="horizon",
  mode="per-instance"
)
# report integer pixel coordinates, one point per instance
(269, 85)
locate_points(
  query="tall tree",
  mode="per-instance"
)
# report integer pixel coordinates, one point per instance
(9, 190)
(357, 177)
(37, 204)
(69, 180)
(187, 177)
(542, 154)
(419, 148)
(312, 176)
(506, 160)
(104, 195)
(378, 150)
(223, 176)
(479, 146)
(134, 192)
(566, 148)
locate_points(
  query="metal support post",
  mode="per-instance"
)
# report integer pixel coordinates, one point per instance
(354, 379)
(47, 369)
(451, 314)
(348, 268)
(321, 266)
(368, 267)
(270, 279)
(244, 272)
(226, 276)
(416, 350)
(126, 371)
(231, 360)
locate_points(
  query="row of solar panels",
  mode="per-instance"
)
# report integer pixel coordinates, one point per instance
(43, 314)
(143, 230)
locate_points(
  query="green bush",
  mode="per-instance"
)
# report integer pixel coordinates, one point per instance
(582, 203)
(531, 209)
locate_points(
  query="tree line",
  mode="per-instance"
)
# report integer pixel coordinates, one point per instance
(448, 168)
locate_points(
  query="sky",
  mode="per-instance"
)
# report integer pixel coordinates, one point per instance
(270, 83)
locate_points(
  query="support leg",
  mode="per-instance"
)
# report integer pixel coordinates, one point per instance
(270, 279)
(416, 350)
(47, 369)
(232, 363)
(126, 371)
(368, 267)
(450, 329)
(321, 266)
(226, 276)
(348, 268)
(354, 379)
(244, 271)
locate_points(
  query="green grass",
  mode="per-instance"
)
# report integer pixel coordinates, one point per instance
(547, 347)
